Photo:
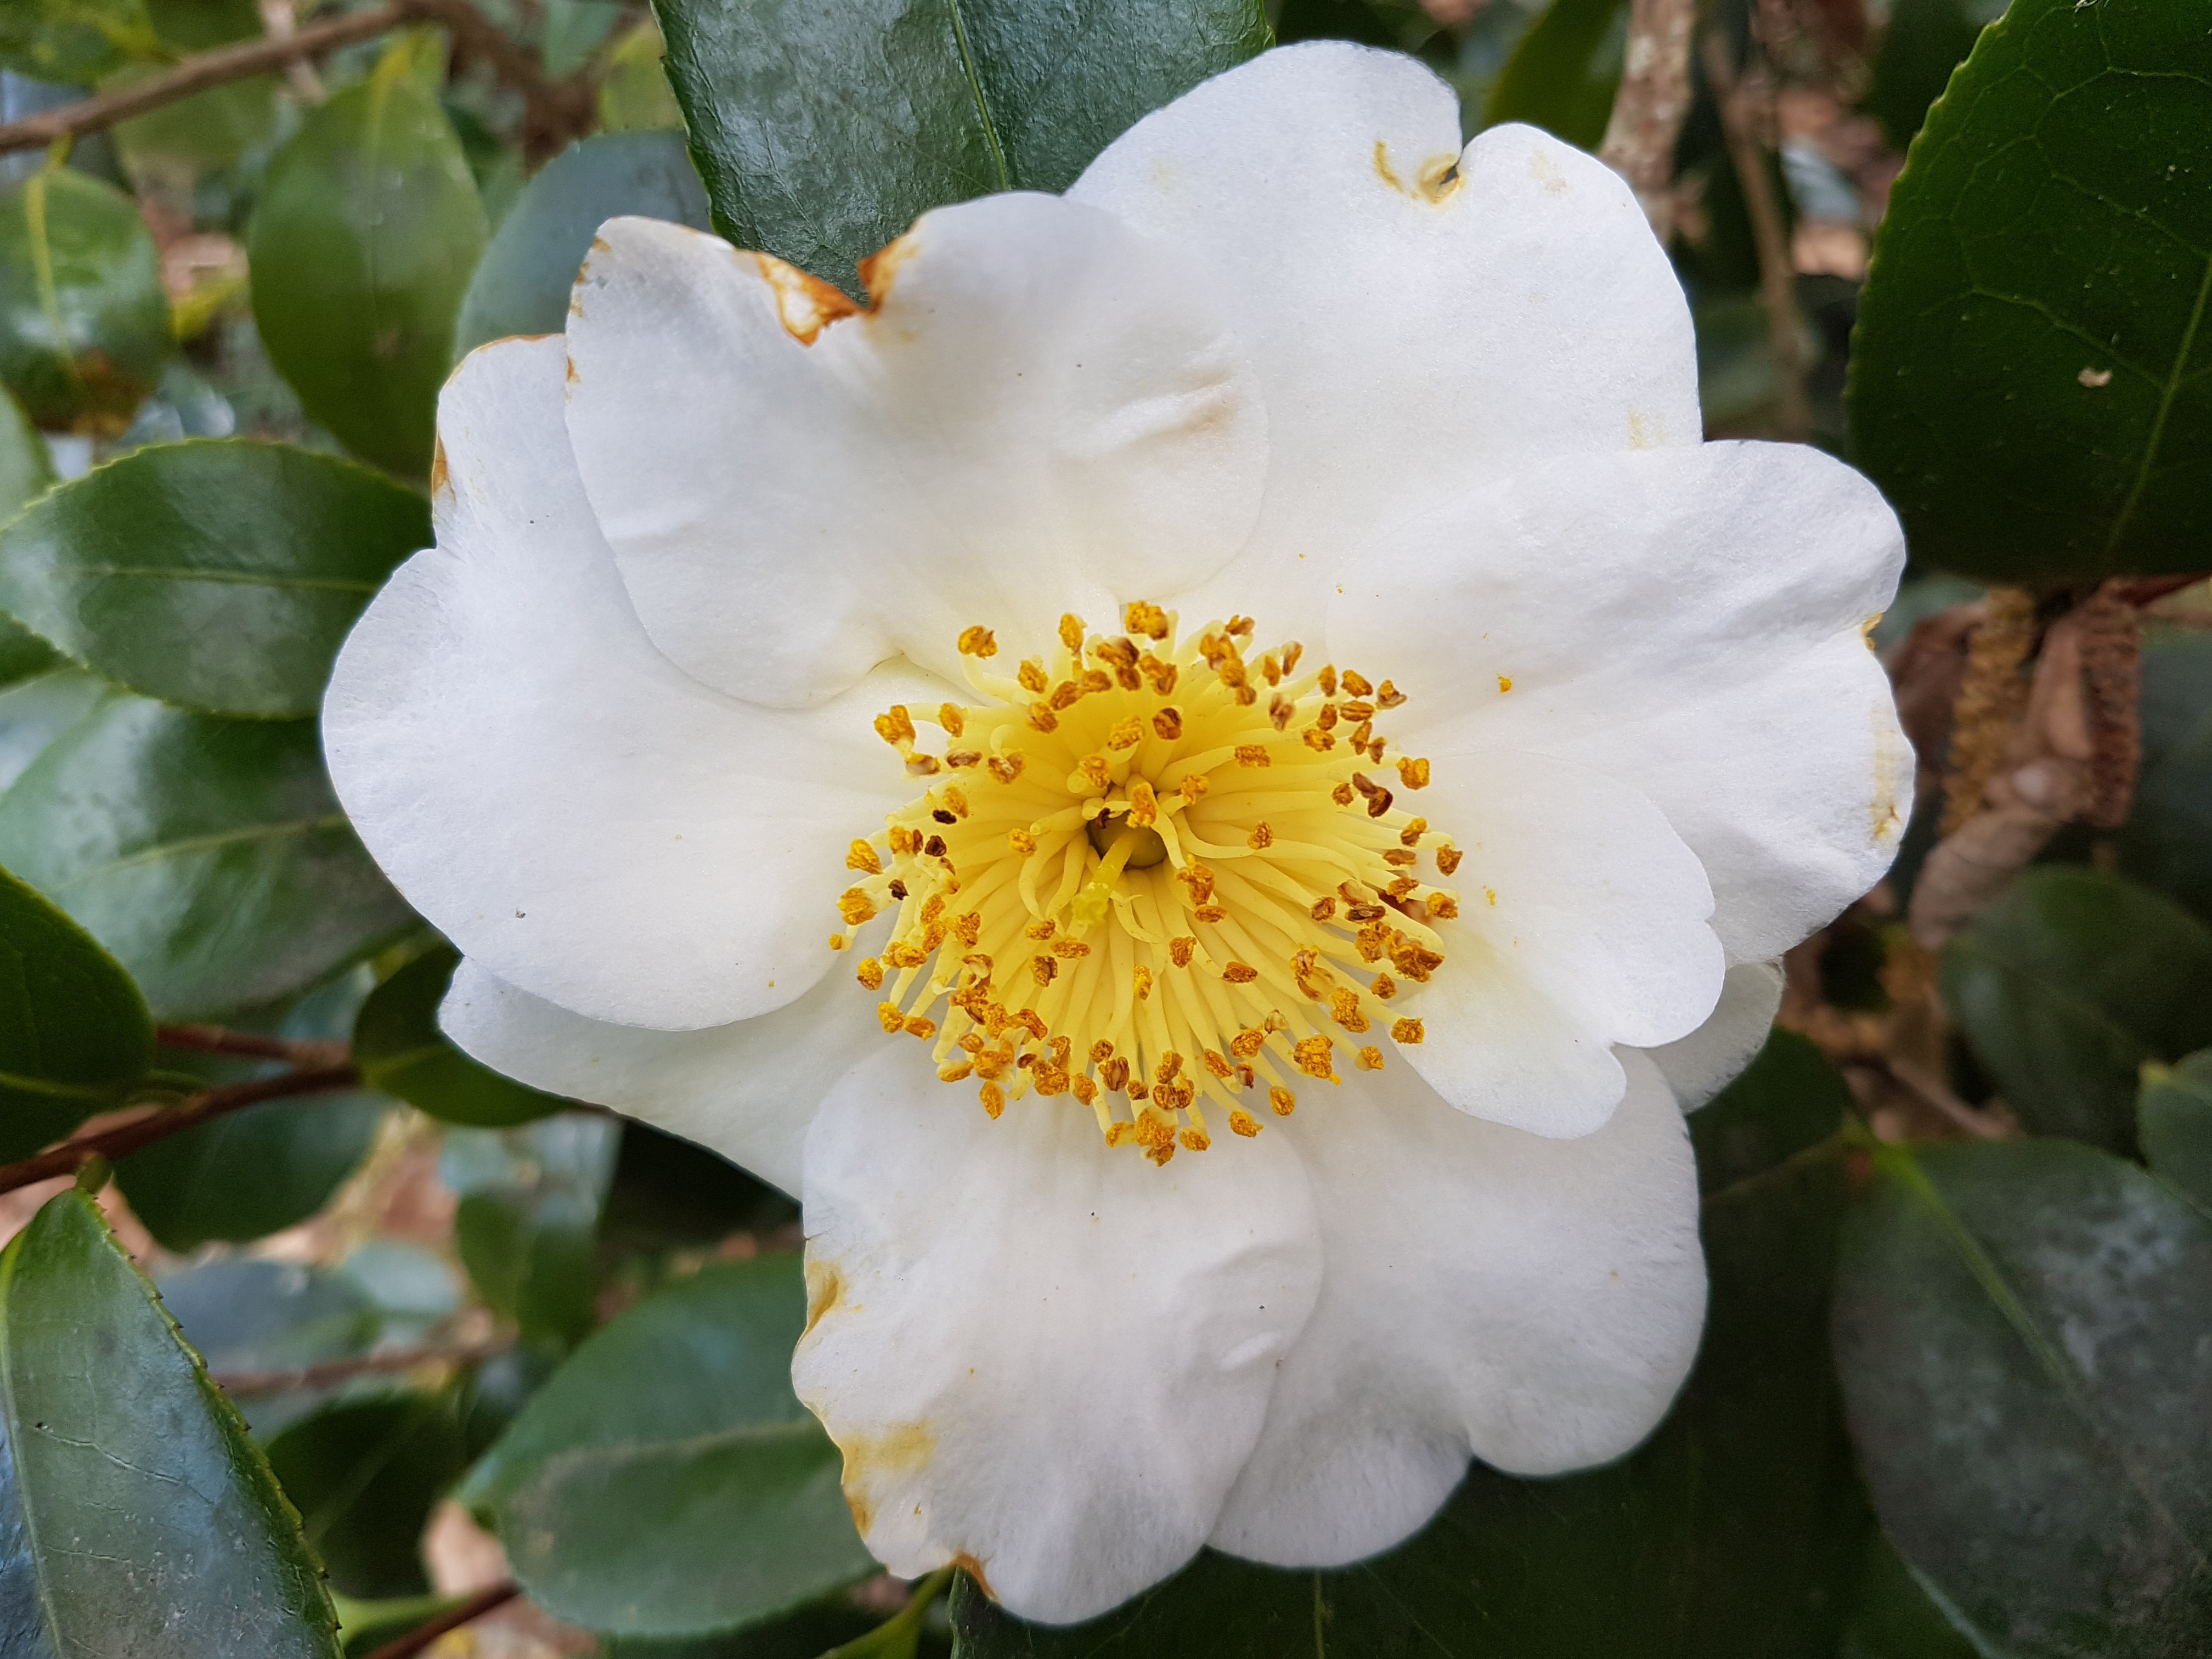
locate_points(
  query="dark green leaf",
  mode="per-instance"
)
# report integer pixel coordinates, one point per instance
(2066, 985)
(84, 329)
(136, 1519)
(1925, 40)
(364, 1473)
(221, 575)
(367, 229)
(809, 1633)
(187, 1189)
(25, 471)
(247, 1315)
(669, 1193)
(528, 1224)
(666, 1481)
(1891, 1616)
(400, 1050)
(2166, 842)
(75, 1035)
(2174, 1119)
(822, 131)
(1730, 1534)
(2030, 384)
(209, 856)
(1563, 72)
(521, 285)
(2024, 1332)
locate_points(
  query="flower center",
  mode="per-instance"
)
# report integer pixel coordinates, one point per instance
(1153, 876)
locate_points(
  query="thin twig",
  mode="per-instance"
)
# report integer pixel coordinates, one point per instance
(422, 1634)
(1778, 280)
(253, 1045)
(204, 1107)
(243, 1385)
(205, 69)
(1651, 105)
(553, 112)
(1930, 1089)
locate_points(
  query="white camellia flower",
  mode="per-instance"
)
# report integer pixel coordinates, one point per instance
(1175, 778)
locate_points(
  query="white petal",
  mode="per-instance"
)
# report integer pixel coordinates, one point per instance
(1041, 1358)
(1702, 1064)
(1411, 334)
(1042, 413)
(748, 1090)
(1536, 1302)
(1583, 923)
(574, 813)
(1687, 621)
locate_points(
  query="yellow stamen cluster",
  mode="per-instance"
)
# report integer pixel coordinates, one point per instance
(1151, 874)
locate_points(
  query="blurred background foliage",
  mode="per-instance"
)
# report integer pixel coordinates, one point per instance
(484, 1358)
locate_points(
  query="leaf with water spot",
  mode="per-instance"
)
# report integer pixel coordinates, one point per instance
(2031, 379)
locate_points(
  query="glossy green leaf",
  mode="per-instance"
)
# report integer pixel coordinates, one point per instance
(25, 471)
(1563, 72)
(2166, 842)
(35, 712)
(209, 856)
(2024, 1332)
(1732, 1534)
(84, 324)
(367, 226)
(634, 95)
(1923, 43)
(528, 1224)
(666, 1481)
(2174, 1120)
(221, 575)
(185, 1190)
(2066, 985)
(136, 1519)
(363, 1474)
(822, 131)
(2032, 381)
(401, 1051)
(819, 1631)
(521, 285)
(75, 1035)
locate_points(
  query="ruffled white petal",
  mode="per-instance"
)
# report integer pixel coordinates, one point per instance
(1686, 621)
(1042, 1358)
(1701, 1064)
(583, 819)
(1583, 923)
(748, 1090)
(1413, 327)
(1534, 1302)
(1044, 412)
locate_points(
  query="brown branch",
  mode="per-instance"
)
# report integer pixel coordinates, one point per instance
(240, 1385)
(252, 1045)
(1651, 105)
(2111, 676)
(1777, 279)
(202, 1107)
(422, 1634)
(205, 69)
(553, 112)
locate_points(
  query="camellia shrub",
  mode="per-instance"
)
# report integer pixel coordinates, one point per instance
(1025, 829)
